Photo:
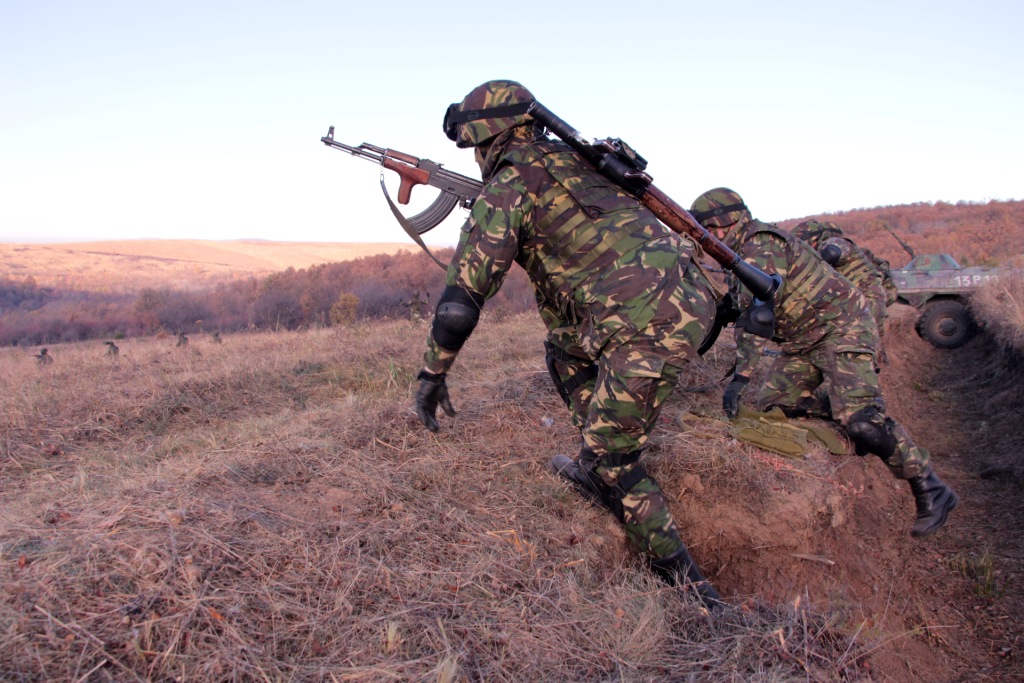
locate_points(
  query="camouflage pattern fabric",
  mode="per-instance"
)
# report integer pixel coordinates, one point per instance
(828, 338)
(888, 282)
(853, 264)
(613, 286)
(646, 517)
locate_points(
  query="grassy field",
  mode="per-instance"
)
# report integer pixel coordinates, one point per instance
(269, 508)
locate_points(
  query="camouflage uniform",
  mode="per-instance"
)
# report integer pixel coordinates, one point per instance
(888, 282)
(828, 339)
(624, 301)
(852, 262)
(827, 335)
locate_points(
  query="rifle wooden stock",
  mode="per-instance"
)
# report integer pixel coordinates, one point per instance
(680, 220)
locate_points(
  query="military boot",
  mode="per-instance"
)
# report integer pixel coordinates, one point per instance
(586, 483)
(935, 500)
(679, 569)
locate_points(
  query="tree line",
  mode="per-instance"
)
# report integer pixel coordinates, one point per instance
(404, 285)
(407, 284)
(975, 233)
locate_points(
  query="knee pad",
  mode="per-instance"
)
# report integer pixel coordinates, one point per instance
(871, 432)
(457, 314)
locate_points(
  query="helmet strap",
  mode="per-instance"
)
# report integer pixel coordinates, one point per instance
(490, 113)
(701, 216)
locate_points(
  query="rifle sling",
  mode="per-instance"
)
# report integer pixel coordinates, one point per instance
(407, 226)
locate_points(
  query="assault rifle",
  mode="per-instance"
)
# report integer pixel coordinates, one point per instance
(456, 189)
(618, 162)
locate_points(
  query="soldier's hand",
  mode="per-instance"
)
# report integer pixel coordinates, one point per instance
(432, 392)
(731, 397)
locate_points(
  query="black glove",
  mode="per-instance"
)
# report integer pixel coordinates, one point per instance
(731, 397)
(432, 392)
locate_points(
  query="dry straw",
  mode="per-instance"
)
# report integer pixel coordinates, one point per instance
(270, 509)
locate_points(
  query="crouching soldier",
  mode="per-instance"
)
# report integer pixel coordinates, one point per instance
(829, 339)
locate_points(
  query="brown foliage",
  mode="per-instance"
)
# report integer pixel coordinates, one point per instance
(999, 307)
(989, 233)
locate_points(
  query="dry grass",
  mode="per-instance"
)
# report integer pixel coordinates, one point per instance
(129, 265)
(999, 307)
(270, 509)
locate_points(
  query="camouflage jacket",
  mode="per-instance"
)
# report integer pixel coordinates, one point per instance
(888, 283)
(599, 261)
(815, 305)
(854, 263)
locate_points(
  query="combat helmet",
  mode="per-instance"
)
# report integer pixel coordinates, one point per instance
(486, 112)
(719, 208)
(813, 232)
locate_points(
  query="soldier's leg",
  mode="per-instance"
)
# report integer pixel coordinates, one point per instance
(627, 399)
(573, 376)
(861, 412)
(793, 385)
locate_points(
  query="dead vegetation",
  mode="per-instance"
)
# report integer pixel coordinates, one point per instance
(269, 508)
(1001, 306)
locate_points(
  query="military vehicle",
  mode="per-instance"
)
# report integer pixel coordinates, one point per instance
(940, 288)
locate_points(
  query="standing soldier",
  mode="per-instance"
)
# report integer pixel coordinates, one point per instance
(850, 261)
(625, 302)
(182, 340)
(829, 339)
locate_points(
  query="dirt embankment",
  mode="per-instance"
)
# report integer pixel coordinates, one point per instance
(966, 406)
(833, 531)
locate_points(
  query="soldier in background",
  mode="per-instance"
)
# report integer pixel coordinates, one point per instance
(888, 282)
(216, 338)
(43, 357)
(850, 261)
(829, 339)
(112, 349)
(624, 299)
(182, 340)
(416, 304)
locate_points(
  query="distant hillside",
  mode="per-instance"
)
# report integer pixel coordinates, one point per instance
(129, 265)
(991, 233)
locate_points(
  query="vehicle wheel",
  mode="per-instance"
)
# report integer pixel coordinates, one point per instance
(946, 324)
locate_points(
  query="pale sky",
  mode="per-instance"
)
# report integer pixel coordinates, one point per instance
(202, 120)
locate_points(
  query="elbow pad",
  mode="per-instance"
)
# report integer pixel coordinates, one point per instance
(457, 314)
(830, 254)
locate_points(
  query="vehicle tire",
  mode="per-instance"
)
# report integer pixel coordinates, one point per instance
(946, 324)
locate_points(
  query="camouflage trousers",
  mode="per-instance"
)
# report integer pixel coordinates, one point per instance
(819, 382)
(622, 410)
(616, 399)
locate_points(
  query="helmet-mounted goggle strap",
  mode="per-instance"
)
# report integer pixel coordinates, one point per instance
(702, 216)
(453, 116)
